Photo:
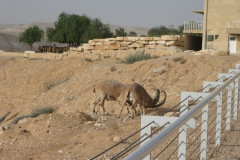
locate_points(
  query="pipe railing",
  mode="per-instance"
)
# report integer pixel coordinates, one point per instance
(149, 146)
(193, 26)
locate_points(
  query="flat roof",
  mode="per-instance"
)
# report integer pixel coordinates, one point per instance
(198, 11)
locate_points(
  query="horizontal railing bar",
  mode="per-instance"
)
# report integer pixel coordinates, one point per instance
(151, 144)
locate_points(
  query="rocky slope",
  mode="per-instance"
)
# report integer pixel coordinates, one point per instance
(71, 131)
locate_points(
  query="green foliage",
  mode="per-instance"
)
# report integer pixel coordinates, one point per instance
(88, 59)
(31, 35)
(68, 29)
(136, 57)
(132, 34)
(96, 29)
(34, 114)
(120, 32)
(53, 84)
(74, 29)
(163, 30)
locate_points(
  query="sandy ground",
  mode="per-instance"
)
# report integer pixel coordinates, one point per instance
(72, 131)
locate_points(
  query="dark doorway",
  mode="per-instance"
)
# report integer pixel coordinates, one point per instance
(193, 42)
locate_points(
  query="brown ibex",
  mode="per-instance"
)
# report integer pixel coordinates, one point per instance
(139, 97)
(110, 90)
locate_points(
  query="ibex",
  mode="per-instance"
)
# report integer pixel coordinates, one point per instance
(110, 90)
(139, 97)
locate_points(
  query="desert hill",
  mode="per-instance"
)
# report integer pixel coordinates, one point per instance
(71, 131)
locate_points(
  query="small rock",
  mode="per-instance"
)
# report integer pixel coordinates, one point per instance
(117, 139)
(60, 151)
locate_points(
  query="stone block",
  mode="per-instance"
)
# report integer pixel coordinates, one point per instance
(143, 42)
(152, 42)
(98, 47)
(112, 47)
(109, 42)
(80, 49)
(170, 37)
(98, 40)
(161, 42)
(146, 38)
(131, 39)
(119, 38)
(157, 38)
(179, 43)
(170, 43)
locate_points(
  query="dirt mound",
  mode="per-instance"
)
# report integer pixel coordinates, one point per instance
(72, 131)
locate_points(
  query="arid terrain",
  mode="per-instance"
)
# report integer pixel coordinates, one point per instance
(72, 131)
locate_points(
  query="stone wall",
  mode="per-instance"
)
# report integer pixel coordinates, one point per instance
(130, 44)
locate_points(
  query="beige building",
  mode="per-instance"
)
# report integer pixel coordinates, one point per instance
(220, 29)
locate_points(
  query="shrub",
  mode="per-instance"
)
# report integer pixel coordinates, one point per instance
(88, 59)
(34, 114)
(136, 57)
(51, 85)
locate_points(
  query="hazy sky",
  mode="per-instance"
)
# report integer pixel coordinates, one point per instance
(136, 13)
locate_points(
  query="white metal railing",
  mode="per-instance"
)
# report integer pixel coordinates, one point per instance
(193, 26)
(186, 121)
(233, 24)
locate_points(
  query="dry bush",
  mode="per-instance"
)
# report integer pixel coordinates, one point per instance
(176, 59)
(182, 61)
(113, 69)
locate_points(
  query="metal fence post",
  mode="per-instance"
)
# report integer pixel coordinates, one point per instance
(204, 133)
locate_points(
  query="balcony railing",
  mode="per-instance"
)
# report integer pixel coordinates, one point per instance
(193, 27)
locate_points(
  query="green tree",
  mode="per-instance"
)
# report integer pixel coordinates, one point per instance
(120, 32)
(97, 29)
(132, 33)
(158, 31)
(163, 30)
(69, 29)
(31, 35)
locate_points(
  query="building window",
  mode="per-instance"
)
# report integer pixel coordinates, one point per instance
(216, 37)
(210, 37)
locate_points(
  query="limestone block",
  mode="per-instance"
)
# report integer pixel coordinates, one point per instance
(29, 52)
(133, 39)
(143, 42)
(98, 47)
(146, 38)
(80, 49)
(98, 40)
(124, 48)
(119, 38)
(152, 42)
(179, 43)
(73, 48)
(161, 42)
(169, 37)
(151, 46)
(110, 39)
(157, 38)
(123, 45)
(112, 47)
(87, 46)
(109, 42)
(170, 43)
(181, 38)
(136, 45)
(99, 43)
(91, 43)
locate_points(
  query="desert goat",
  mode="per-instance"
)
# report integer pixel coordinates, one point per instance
(110, 90)
(139, 97)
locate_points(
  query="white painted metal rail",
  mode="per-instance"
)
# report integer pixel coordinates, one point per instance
(193, 26)
(186, 120)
